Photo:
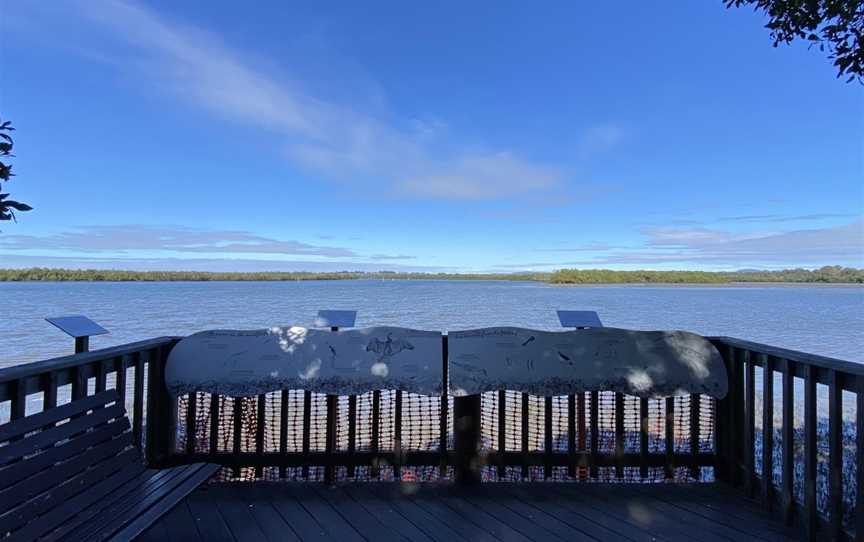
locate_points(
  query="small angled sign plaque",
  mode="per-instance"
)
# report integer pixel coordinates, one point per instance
(77, 326)
(336, 319)
(579, 319)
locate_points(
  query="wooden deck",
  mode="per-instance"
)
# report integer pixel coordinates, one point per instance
(272, 511)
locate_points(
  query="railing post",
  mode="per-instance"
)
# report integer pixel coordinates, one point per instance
(466, 417)
(161, 420)
(721, 420)
(330, 438)
(445, 406)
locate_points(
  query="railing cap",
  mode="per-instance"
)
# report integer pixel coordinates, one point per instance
(25, 370)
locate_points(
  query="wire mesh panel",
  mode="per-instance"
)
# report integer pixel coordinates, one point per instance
(514, 425)
(284, 434)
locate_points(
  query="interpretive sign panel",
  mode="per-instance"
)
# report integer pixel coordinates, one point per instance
(642, 363)
(240, 363)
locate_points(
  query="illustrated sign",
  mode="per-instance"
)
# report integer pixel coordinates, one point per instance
(242, 363)
(641, 363)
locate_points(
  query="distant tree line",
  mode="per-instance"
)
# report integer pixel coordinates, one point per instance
(827, 274)
(97, 275)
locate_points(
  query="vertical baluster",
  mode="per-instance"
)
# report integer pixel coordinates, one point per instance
(669, 466)
(137, 400)
(352, 434)
(330, 438)
(749, 424)
(283, 431)
(547, 437)
(191, 417)
(49, 400)
(810, 513)
(737, 446)
(376, 424)
(788, 441)
(835, 454)
(79, 383)
(571, 436)
(723, 421)
(238, 431)
(397, 436)
(307, 427)
(767, 430)
(259, 433)
(214, 423)
(695, 413)
(445, 407)
(101, 377)
(120, 379)
(595, 436)
(859, 458)
(502, 431)
(643, 437)
(619, 435)
(525, 408)
(580, 422)
(18, 405)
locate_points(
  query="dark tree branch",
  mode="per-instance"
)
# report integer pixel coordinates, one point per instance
(834, 25)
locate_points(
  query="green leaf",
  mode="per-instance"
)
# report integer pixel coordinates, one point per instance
(18, 206)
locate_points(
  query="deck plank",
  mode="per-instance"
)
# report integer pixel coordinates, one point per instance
(362, 521)
(209, 522)
(430, 525)
(593, 514)
(330, 519)
(482, 518)
(271, 522)
(180, 524)
(548, 528)
(627, 504)
(757, 525)
(301, 521)
(387, 514)
(488, 512)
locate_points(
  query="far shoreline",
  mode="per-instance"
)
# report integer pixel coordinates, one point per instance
(825, 276)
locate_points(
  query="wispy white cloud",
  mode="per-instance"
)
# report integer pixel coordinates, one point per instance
(337, 140)
(18, 261)
(783, 218)
(600, 138)
(706, 247)
(135, 238)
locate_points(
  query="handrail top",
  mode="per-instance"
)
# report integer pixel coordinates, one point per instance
(25, 370)
(823, 362)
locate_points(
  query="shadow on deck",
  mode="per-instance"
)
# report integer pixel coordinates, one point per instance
(518, 512)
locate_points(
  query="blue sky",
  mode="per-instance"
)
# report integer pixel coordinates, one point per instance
(480, 136)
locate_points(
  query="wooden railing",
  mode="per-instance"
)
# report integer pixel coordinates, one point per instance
(43, 385)
(824, 474)
(798, 470)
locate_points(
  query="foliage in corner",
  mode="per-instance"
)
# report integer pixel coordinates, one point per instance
(7, 206)
(835, 25)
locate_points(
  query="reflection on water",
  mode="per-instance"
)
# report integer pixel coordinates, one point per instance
(822, 320)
